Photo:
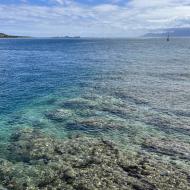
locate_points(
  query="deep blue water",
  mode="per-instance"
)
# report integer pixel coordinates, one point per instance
(139, 87)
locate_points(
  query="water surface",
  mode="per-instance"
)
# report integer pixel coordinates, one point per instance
(135, 92)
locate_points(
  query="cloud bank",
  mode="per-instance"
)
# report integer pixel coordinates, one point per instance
(109, 18)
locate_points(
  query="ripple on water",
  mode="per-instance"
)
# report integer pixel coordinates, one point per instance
(132, 92)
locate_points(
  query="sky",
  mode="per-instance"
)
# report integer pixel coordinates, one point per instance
(92, 18)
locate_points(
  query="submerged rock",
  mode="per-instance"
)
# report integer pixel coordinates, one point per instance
(59, 115)
(173, 148)
(77, 103)
(2, 188)
(79, 163)
(95, 124)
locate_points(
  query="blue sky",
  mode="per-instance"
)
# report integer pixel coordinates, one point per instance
(56, 2)
(92, 18)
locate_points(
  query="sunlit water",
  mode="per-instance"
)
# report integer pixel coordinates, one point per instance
(135, 92)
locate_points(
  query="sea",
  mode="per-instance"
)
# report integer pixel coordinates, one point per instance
(133, 92)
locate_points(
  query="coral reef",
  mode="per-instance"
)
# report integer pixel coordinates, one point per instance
(59, 115)
(42, 162)
(174, 149)
(134, 110)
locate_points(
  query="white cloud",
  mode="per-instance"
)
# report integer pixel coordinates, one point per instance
(59, 1)
(62, 2)
(70, 18)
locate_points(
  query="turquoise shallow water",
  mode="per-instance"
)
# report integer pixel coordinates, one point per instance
(135, 92)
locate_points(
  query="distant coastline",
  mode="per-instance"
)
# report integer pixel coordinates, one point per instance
(67, 37)
(3, 35)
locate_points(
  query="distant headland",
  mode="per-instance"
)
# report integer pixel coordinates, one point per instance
(68, 37)
(3, 35)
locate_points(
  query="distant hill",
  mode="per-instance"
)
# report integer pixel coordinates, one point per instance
(67, 37)
(2, 35)
(175, 32)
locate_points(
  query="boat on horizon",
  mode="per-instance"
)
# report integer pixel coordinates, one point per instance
(168, 38)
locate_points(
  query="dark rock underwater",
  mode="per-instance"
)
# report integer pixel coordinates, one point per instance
(37, 161)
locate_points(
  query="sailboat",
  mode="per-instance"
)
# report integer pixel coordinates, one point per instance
(168, 37)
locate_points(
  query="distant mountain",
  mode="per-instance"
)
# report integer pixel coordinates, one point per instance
(175, 32)
(2, 35)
